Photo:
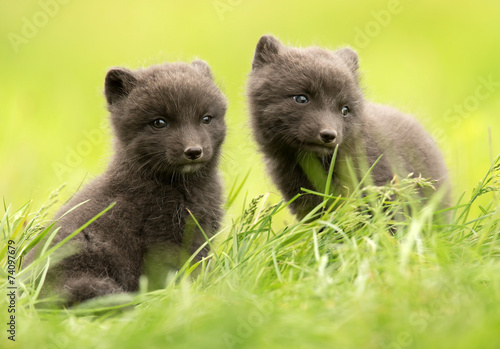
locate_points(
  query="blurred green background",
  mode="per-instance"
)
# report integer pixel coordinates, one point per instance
(430, 58)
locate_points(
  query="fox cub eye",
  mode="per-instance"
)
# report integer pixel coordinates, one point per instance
(206, 119)
(301, 99)
(159, 123)
(345, 110)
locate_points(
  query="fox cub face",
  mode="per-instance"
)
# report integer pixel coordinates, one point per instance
(303, 99)
(168, 118)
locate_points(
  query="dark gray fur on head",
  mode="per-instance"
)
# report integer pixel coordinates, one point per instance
(152, 180)
(286, 130)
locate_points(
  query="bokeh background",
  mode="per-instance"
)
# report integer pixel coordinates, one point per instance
(436, 59)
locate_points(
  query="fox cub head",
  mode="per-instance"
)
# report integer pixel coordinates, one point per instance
(304, 99)
(167, 118)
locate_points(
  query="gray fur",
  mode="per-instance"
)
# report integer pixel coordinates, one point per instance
(152, 182)
(286, 130)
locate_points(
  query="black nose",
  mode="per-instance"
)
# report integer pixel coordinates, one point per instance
(193, 153)
(328, 136)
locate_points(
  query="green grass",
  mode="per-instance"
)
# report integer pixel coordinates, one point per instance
(354, 277)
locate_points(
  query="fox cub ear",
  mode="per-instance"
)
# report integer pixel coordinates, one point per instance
(118, 84)
(267, 48)
(203, 68)
(350, 57)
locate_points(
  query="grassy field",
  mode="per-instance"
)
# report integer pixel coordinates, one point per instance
(343, 281)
